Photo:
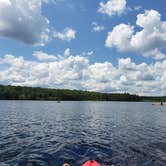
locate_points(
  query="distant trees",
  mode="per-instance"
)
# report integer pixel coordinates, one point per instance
(29, 93)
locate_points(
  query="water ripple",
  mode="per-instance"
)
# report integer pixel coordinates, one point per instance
(38, 133)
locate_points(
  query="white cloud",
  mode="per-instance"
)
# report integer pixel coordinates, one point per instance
(149, 41)
(43, 56)
(90, 53)
(67, 34)
(96, 27)
(67, 52)
(53, 1)
(76, 72)
(119, 37)
(112, 7)
(23, 21)
(62, 73)
(5, 2)
(137, 8)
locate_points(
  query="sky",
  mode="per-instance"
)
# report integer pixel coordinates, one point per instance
(112, 46)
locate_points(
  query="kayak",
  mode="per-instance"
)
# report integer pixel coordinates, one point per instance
(91, 163)
(87, 163)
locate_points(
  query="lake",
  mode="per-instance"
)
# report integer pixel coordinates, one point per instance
(47, 133)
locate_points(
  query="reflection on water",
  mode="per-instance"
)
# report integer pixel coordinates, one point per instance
(42, 133)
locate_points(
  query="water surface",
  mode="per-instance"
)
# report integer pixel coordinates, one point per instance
(46, 133)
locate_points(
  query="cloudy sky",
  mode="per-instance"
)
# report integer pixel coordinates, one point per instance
(96, 45)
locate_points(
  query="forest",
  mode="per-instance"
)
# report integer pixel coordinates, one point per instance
(36, 93)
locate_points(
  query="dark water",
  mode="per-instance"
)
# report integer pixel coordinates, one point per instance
(42, 133)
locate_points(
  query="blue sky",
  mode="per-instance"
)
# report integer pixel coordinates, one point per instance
(111, 35)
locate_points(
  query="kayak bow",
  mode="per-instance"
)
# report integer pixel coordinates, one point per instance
(91, 163)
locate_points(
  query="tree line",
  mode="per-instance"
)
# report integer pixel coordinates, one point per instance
(36, 93)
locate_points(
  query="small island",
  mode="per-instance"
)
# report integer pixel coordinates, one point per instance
(36, 93)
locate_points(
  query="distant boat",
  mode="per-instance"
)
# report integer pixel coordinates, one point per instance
(161, 104)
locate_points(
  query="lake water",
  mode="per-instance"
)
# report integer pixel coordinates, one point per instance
(45, 133)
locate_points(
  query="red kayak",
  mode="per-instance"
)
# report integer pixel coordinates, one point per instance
(91, 163)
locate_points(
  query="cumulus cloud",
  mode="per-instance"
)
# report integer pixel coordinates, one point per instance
(41, 56)
(76, 72)
(67, 34)
(120, 37)
(149, 41)
(62, 72)
(112, 7)
(96, 27)
(23, 21)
